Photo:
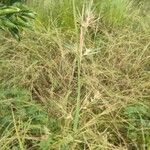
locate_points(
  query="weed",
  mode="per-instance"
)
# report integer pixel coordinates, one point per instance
(79, 80)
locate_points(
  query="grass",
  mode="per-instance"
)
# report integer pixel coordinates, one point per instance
(79, 80)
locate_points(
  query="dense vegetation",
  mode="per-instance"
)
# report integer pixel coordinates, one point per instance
(79, 79)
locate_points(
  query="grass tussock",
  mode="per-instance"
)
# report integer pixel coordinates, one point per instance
(79, 80)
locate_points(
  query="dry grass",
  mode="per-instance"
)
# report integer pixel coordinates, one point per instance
(80, 86)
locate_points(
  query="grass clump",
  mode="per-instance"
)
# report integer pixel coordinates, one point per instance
(79, 80)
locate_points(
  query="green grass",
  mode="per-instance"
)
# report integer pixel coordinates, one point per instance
(79, 80)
